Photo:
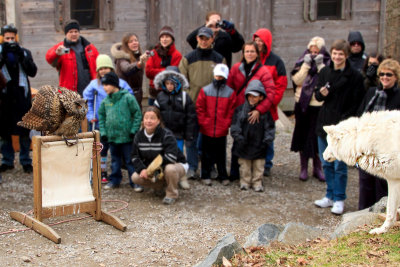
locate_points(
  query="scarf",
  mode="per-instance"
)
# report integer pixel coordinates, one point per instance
(377, 102)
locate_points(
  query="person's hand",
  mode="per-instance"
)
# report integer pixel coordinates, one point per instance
(307, 59)
(212, 24)
(319, 59)
(254, 116)
(143, 59)
(227, 25)
(60, 50)
(103, 139)
(93, 121)
(324, 91)
(143, 174)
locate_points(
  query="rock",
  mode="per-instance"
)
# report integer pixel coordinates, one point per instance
(380, 206)
(226, 247)
(351, 221)
(25, 259)
(263, 235)
(296, 233)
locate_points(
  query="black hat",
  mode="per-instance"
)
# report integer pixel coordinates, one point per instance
(71, 24)
(204, 31)
(8, 28)
(110, 78)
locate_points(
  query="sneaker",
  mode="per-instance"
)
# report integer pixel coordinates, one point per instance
(104, 177)
(225, 182)
(5, 167)
(324, 202)
(110, 185)
(184, 184)
(338, 207)
(214, 173)
(27, 168)
(191, 174)
(267, 172)
(168, 200)
(244, 187)
(207, 182)
(259, 188)
(138, 188)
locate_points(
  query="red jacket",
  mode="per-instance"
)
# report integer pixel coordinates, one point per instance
(275, 66)
(237, 77)
(66, 64)
(215, 108)
(153, 64)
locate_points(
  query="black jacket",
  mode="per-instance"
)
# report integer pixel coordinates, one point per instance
(392, 101)
(345, 95)
(224, 43)
(162, 142)
(357, 60)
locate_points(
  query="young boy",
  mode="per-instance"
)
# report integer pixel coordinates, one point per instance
(215, 107)
(251, 140)
(178, 112)
(119, 120)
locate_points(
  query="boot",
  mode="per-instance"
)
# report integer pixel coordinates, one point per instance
(317, 172)
(304, 165)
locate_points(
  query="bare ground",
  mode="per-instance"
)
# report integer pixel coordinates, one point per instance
(159, 235)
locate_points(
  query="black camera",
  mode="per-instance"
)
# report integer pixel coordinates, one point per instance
(221, 24)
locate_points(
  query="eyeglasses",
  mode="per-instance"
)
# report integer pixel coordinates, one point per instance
(387, 74)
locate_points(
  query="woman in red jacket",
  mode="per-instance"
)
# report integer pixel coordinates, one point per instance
(164, 55)
(250, 68)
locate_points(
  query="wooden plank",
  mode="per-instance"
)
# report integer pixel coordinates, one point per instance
(114, 221)
(72, 209)
(37, 177)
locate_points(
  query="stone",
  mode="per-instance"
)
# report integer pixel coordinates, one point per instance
(296, 233)
(352, 220)
(380, 206)
(227, 247)
(263, 235)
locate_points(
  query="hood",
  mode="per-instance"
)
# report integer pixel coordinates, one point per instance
(118, 95)
(160, 78)
(356, 36)
(255, 85)
(266, 36)
(118, 53)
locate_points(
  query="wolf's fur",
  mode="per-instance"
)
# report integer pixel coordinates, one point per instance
(373, 143)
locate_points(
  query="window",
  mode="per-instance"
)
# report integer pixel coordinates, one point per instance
(326, 10)
(91, 14)
(329, 9)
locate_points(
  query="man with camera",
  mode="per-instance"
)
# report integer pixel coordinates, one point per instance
(16, 65)
(74, 58)
(227, 39)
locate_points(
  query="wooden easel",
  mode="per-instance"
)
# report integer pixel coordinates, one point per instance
(40, 212)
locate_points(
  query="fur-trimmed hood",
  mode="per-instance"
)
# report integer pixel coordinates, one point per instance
(161, 77)
(118, 53)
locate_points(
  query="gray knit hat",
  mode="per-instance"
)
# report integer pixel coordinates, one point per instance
(167, 30)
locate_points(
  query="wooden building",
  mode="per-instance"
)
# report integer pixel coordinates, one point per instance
(292, 23)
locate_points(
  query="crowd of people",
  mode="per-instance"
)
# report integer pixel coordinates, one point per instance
(197, 99)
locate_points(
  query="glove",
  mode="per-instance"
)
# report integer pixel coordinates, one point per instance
(103, 139)
(319, 59)
(371, 71)
(227, 25)
(307, 59)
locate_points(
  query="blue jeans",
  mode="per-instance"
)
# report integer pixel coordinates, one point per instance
(119, 152)
(269, 156)
(8, 151)
(335, 174)
(192, 153)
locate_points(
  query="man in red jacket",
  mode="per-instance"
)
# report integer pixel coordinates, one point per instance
(274, 63)
(74, 58)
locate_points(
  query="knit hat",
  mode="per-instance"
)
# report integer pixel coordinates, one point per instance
(110, 78)
(167, 30)
(71, 24)
(104, 61)
(316, 41)
(221, 70)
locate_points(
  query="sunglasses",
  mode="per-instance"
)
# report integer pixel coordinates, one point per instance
(387, 74)
(355, 43)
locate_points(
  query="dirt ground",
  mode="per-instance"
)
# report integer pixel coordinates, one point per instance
(159, 235)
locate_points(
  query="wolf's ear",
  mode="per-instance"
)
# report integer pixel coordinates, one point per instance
(329, 129)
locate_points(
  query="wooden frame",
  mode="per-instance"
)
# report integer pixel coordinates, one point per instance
(40, 212)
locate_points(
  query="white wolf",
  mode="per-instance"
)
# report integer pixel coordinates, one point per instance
(373, 143)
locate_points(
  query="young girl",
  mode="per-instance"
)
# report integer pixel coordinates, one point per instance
(130, 63)
(94, 93)
(153, 139)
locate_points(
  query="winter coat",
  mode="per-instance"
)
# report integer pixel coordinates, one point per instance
(224, 43)
(178, 114)
(15, 97)
(156, 64)
(162, 142)
(345, 95)
(392, 100)
(198, 66)
(66, 64)
(126, 70)
(215, 107)
(357, 60)
(237, 77)
(119, 117)
(95, 87)
(275, 66)
(251, 140)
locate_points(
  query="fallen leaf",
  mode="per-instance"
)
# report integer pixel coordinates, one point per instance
(226, 263)
(302, 261)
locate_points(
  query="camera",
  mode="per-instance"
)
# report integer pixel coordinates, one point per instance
(221, 24)
(150, 53)
(66, 50)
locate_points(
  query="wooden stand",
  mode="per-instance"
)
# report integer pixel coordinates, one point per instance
(40, 212)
